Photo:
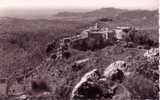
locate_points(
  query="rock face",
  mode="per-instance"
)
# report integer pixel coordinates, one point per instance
(94, 86)
(115, 70)
(86, 89)
(152, 53)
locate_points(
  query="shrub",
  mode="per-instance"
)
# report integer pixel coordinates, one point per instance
(141, 87)
(39, 86)
(142, 37)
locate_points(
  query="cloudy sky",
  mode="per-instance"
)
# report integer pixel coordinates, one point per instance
(129, 4)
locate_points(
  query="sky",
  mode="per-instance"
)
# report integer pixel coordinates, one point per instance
(86, 4)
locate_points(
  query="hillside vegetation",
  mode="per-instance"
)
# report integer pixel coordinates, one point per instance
(23, 45)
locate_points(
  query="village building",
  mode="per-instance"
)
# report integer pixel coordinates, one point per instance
(120, 33)
(95, 32)
(84, 34)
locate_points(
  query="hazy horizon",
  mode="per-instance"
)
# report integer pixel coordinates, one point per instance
(46, 8)
(76, 4)
(32, 13)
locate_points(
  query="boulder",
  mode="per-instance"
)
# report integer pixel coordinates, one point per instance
(86, 88)
(119, 75)
(116, 70)
(153, 52)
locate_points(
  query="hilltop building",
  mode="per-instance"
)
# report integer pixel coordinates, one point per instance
(122, 31)
(105, 32)
(95, 32)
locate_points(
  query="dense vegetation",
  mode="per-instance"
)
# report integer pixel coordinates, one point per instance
(143, 37)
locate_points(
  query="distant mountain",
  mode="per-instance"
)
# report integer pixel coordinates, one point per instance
(69, 14)
(144, 14)
(112, 12)
(119, 16)
(107, 12)
(139, 17)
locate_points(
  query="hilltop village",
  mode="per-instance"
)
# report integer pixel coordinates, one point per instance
(91, 38)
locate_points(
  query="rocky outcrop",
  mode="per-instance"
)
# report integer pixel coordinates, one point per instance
(95, 86)
(116, 70)
(86, 86)
(152, 53)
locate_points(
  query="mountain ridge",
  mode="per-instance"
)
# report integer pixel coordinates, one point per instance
(105, 12)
